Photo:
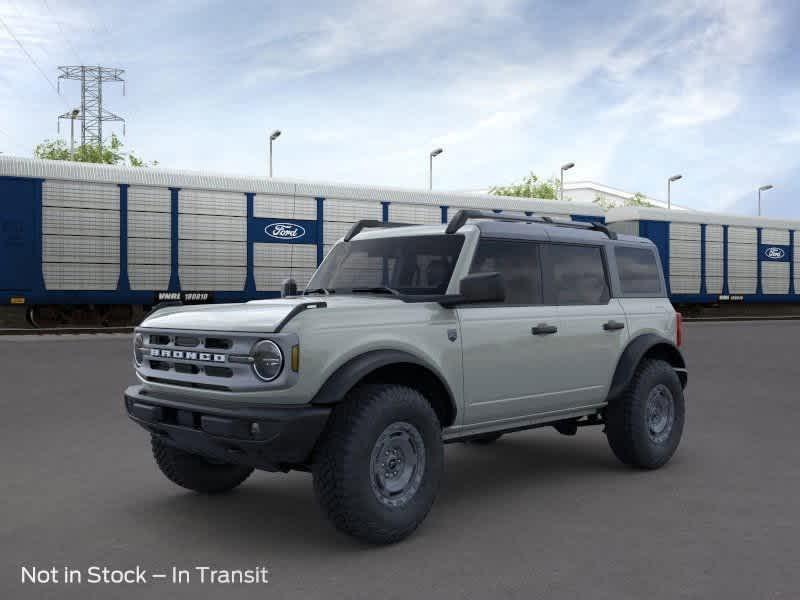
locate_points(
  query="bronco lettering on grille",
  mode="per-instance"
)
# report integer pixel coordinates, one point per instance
(183, 355)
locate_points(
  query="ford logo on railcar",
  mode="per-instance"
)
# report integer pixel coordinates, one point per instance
(774, 253)
(285, 231)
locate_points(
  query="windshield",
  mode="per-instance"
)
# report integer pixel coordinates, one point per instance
(404, 265)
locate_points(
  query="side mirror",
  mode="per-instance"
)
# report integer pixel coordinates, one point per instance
(289, 288)
(482, 287)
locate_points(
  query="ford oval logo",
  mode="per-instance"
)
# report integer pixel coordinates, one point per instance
(285, 231)
(774, 253)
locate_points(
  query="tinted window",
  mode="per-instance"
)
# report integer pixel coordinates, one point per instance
(576, 275)
(638, 271)
(517, 262)
(410, 265)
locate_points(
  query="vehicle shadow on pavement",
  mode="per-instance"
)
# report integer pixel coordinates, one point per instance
(517, 463)
(280, 511)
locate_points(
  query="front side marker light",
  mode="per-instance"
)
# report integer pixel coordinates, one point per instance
(296, 358)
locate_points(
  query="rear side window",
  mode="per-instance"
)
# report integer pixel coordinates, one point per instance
(517, 262)
(638, 271)
(575, 275)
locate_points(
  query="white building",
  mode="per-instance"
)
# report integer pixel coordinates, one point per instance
(589, 191)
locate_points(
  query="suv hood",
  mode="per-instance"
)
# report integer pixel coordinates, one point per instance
(257, 316)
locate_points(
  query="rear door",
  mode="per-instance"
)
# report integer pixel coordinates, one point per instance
(509, 370)
(17, 233)
(593, 329)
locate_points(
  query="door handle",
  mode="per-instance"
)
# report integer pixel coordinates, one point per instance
(543, 329)
(613, 325)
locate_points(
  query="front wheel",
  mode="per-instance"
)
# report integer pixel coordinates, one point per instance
(194, 472)
(644, 425)
(379, 463)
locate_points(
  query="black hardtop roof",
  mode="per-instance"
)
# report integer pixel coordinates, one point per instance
(518, 226)
(554, 232)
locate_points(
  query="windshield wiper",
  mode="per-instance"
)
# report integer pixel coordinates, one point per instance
(381, 289)
(319, 291)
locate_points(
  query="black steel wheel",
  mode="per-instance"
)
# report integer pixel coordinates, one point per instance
(378, 465)
(644, 424)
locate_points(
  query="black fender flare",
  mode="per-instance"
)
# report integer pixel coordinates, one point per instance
(350, 373)
(641, 346)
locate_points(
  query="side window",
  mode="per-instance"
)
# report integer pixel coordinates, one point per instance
(517, 262)
(638, 272)
(575, 275)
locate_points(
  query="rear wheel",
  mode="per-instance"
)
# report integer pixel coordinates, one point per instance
(195, 472)
(645, 424)
(378, 465)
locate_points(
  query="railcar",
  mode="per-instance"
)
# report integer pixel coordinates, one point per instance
(86, 243)
(713, 258)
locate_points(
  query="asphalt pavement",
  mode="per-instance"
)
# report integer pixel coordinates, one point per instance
(536, 515)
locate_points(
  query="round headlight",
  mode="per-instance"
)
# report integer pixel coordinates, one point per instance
(267, 360)
(138, 348)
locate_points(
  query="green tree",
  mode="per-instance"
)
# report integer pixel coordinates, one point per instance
(530, 187)
(109, 154)
(638, 199)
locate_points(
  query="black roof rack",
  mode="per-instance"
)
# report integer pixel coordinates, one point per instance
(462, 216)
(369, 223)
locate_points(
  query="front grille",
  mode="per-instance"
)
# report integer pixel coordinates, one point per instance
(218, 343)
(193, 359)
(219, 372)
(187, 368)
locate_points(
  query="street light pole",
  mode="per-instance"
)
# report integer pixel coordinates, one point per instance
(273, 136)
(763, 188)
(72, 116)
(564, 167)
(669, 190)
(433, 153)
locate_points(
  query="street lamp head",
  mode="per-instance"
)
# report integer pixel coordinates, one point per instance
(676, 177)
(567, 166)
(764, 188)
(75, 112)
(275, 135)
(436, 152)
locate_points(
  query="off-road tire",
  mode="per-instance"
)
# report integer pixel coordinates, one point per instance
(195, 472)
(627, 426)
(343, 465)
(485, 439)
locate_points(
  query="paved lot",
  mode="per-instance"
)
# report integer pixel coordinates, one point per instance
(536, 515)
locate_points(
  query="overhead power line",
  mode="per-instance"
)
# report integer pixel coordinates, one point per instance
(63, 33)
(30, 57)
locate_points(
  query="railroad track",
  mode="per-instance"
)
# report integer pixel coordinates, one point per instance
(63, 330)
(722, 319)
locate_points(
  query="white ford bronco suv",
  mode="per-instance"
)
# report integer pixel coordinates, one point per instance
(409, 337)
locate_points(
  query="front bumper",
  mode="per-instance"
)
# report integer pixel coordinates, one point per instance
(274, 438)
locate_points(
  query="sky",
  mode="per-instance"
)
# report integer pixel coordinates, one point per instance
(632, 92)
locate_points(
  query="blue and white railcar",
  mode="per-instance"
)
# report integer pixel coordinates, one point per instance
(98, 235)
(713, 257)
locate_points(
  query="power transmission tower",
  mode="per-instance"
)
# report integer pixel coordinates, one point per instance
(92, 114)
